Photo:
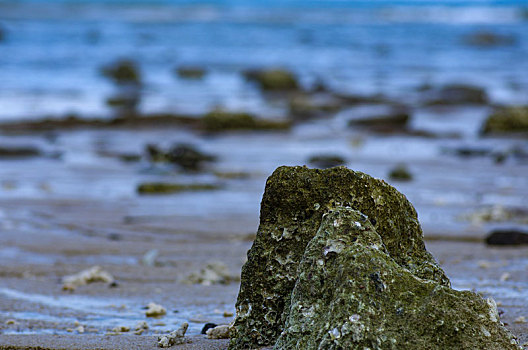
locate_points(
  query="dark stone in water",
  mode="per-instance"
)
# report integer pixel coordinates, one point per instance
(208, 326)
(184, 155)
(168, 188)
(396, 119)
(219, 120)
(292, 207)
(507, 237)
(273, 79)
(456, 94)
(191, 72)
(489, 39)
(123, 72)
(323, 161)
(19, 152)
(400, 173)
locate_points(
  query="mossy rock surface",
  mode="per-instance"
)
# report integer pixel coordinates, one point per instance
(273, 79)
(123, 72)
(292, 207)
(507, 120)
(168, 188)
(351, 294)
(218, 120)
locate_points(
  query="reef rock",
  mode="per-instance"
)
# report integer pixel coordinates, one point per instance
(351, 294)
(507, 120)
(339, 262)
(292, 208)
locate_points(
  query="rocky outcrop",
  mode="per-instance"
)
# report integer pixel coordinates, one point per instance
(294, 202)
(339, 262)
(351, 294)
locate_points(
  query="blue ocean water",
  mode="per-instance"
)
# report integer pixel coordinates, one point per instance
(51, 52)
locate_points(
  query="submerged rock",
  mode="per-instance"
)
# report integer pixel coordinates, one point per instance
(168, 188)
(351, 294)
(400, 173)
(294, 202)
(273, 79)
(489, 39)
(456, 94)
(12, 152)
(219, 120)
(186, 156)
(191, 72)
(507, 120)
(123, 72)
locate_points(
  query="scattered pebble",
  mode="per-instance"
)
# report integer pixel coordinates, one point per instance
(212, 273)
(150, 257)
(520, 319)
(484, 264)
(505, 276)
(121, 329)
(11, 322)
(174, 337)
(208, 326)
(219, 332)
(91, 275)
(140, 327)
(80, 329)
(228, 314)
(155, 310)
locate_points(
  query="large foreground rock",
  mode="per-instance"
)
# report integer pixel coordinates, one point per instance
(339, 262)
(294, 202)
(351, 294)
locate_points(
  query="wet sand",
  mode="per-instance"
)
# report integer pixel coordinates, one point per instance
(76, 206)
(36, 313)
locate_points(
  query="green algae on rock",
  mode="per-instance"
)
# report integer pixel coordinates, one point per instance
(507, 120)
(292, 207)
(219, 120)
(168, 188)
(351, 294)
(273, 79)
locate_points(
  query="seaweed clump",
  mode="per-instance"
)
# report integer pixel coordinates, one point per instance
(339, 262)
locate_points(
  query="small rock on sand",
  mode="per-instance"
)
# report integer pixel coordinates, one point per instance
(174, 338)
(219, 332)
(91, 275)
(212, 273)
(155, 310)
(121, 329)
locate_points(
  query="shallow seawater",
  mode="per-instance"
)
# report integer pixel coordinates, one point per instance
(101, 314)
(52, 51)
